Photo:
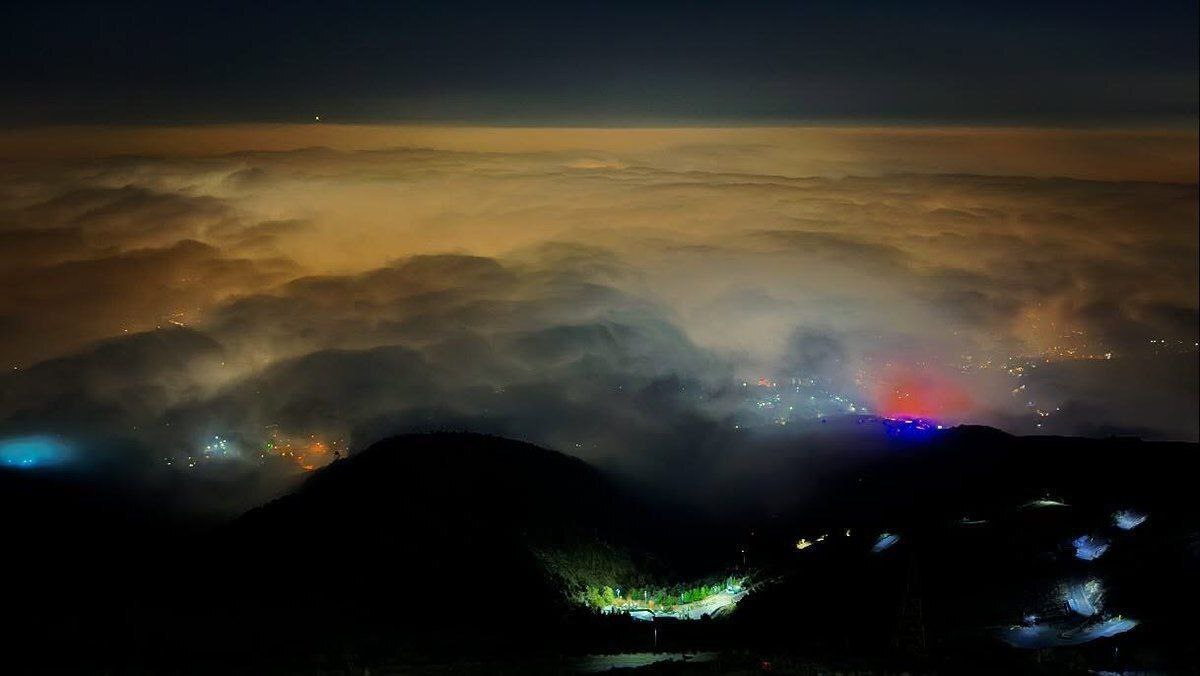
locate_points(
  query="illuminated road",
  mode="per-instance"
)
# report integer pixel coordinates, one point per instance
(1049, 636)
(1082, 598)
(711, 606)
(598, 663)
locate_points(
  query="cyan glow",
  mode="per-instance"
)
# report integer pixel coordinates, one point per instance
(33, 452)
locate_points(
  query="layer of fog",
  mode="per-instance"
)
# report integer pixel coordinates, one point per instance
(608, 303)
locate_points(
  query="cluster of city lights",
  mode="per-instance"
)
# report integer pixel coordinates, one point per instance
(798, 400)
(309, 452)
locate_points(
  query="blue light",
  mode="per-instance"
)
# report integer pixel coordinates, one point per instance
(33, 452)
(1084, 598)
(1089, 548)
(1049, 636)
(1110, 627)
(885, 541)
(910, 428)
(1127, 519)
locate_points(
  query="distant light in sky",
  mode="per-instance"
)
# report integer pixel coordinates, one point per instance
(33, 451)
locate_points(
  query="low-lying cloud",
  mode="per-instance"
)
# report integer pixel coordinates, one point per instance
(642, 306)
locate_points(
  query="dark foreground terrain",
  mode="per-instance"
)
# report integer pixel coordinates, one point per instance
(957, 551)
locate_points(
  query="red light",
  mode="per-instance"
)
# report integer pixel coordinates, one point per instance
(912, 393)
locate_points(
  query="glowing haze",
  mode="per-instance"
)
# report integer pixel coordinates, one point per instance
(629, 295)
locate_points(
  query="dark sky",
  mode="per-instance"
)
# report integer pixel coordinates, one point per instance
(1094, 63)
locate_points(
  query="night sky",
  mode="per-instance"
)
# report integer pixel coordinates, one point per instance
(652, 235)
(1056, 63)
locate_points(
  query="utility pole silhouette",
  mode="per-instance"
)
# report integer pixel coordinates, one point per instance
(910, 627)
